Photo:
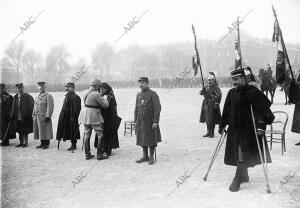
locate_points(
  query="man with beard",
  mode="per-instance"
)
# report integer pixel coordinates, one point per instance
(6, 105)
(210, 110)
(43, 110)
(68, 128)
(91, 118)
(22, 115)
(241, 146)
(146, 117)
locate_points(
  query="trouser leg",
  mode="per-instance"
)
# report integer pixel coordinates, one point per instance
(21, 138)
(145, 155)
(208, 131)
(25, 140)
(87, 134)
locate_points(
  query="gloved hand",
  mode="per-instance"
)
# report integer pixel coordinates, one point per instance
(47, 119)
(203, 91)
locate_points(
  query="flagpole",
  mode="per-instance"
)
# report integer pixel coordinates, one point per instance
(282, 43)
(239, 40)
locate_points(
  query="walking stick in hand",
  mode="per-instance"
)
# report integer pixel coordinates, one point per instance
(263, 162)
(218, 147)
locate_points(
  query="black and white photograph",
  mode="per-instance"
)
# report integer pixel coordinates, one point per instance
(150, 104)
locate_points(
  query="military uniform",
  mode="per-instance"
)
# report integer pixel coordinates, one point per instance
(91, 118)
(22, 115)
(6, 103)
(68, 128)
(210, 110)
(42, 122)
(146, 113)
(241, 146)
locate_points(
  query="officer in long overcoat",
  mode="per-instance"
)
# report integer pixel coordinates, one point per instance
(6, 103)
(42, 113)
(146, 117)
(22, 115)
(241, 146)
(210, 109)
(68, 128)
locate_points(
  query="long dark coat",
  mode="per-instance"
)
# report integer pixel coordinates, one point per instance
(68, 128)
(296, 117)
(147, 111)
(26, 107)
(210, 110)
(111, 125)
(237, 115)
(5, 114)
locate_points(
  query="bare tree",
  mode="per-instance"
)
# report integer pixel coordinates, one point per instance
(57, 63)
(32, 62)
(102, 57)
(13, 58)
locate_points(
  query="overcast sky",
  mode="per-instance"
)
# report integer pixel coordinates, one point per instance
(81, 24)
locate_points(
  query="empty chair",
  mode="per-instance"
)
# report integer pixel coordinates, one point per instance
(276, 133)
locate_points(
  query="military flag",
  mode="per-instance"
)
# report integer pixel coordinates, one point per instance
(238, 53)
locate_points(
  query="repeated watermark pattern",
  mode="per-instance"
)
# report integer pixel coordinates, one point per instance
(26, 25)
(287, 179)
(182, 76)
(131, 24)
(182, 179)
(234, 26)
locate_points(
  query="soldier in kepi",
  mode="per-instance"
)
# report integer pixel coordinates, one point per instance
(6, 105)
(68, 128)
(22, 115)
(146, 117)
(43, 110)
(242, 149)
(91, 118)
(210, 110)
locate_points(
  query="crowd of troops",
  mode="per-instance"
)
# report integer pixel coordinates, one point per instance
(246, 113)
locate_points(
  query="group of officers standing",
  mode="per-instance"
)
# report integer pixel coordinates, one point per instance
(23, 115)
(246, 113)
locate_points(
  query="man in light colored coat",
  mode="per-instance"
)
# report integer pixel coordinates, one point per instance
(42, 113)
(91, 118)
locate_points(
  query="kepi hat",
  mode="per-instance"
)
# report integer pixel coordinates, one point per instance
(19, 85)
(70, 84)
(95, 82)
(143, 79)
(237, 72)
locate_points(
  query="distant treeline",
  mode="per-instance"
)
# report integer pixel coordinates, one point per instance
(154, 83)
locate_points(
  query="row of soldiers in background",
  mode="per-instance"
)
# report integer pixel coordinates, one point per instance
(246, 112)
(23, 115)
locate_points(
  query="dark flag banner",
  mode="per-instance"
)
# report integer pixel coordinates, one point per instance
(282, 75)
(237, 46)
(196, 63)
(280, 61)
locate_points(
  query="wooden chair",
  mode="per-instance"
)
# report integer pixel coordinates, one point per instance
(277, 130)
(130, 126)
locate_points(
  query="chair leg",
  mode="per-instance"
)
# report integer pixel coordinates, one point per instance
(282, 146)
(124, 128)
(271, 141)
(284, 142)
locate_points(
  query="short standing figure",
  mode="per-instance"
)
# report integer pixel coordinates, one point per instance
(210, 110)
(91, 118)
(146, 117)
(111, 120)
(6, 105)
(22, 114)
(42, 113)
(68, 128)
(241, 145)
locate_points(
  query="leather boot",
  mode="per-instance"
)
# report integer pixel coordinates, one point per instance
(237, 180)
(145, 157)
(46, 144)
(151, 158)
(245, 176)
(208, 131)
(21, 141)
(25, 140)
(41, 145)
(87, 149)
(101, 154)
(108, 151)
(212, 131)
(73, 147)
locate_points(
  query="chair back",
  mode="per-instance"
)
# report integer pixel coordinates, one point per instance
(280, 121)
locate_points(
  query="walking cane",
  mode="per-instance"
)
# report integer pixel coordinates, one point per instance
(218, 147)
(260, 154)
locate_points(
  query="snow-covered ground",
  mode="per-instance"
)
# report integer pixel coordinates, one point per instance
(37, 178)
